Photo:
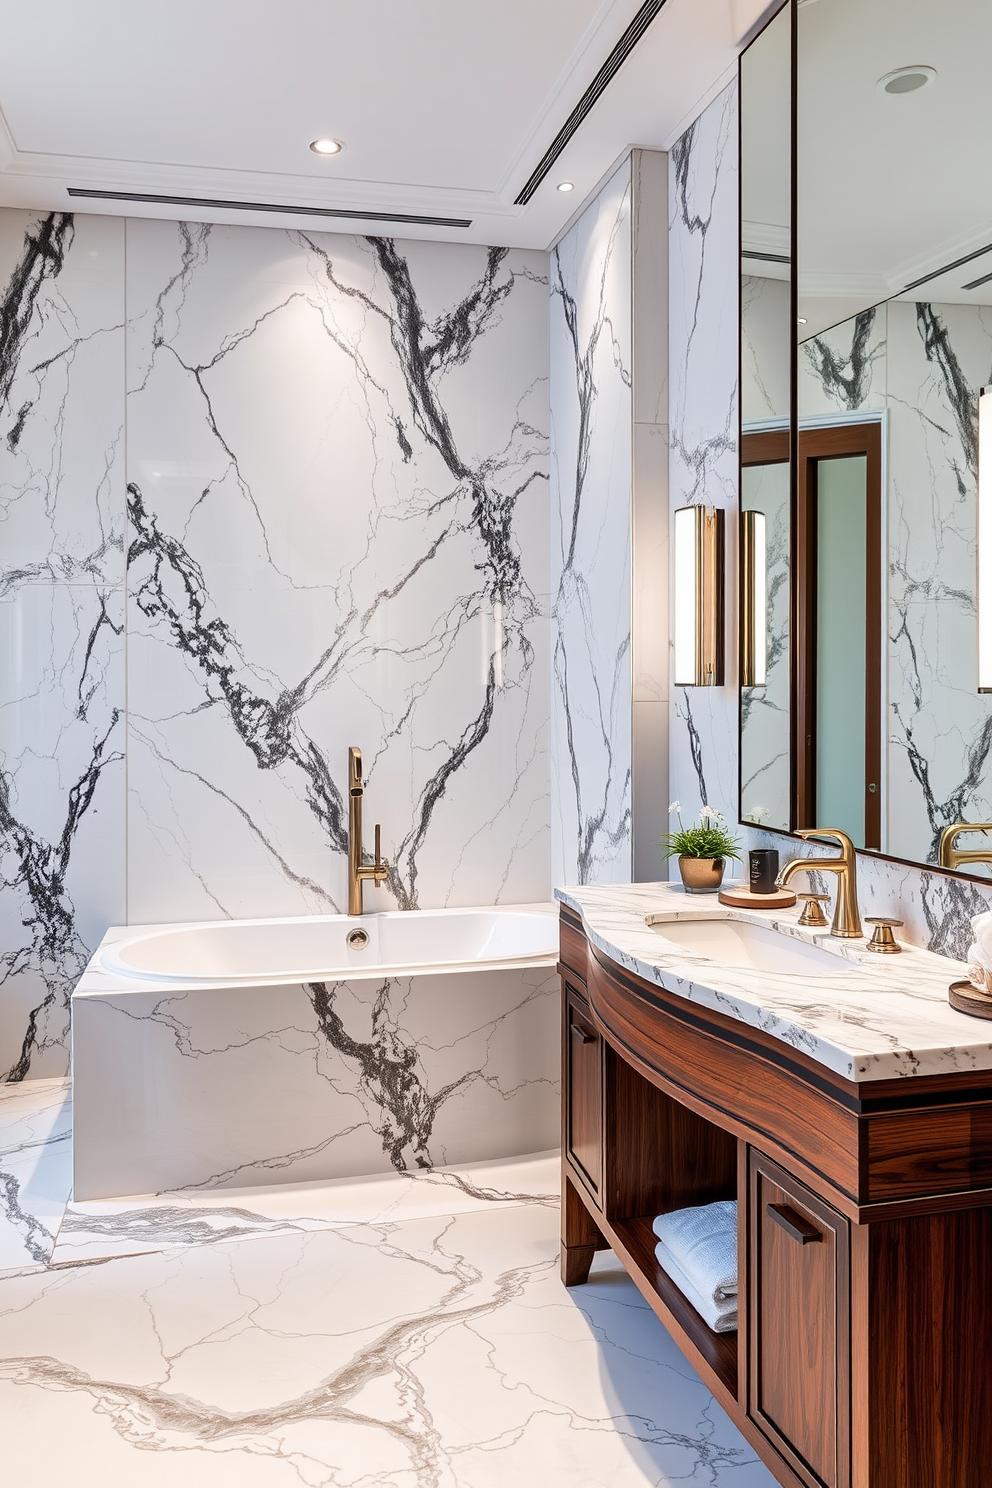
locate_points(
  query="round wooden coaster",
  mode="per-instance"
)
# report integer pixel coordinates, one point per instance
(739, 896)
(968, 999)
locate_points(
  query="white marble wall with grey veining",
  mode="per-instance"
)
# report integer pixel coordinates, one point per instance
(337, 498)
(335, 525)
(61, 619)
(591, 541)
(703, 318)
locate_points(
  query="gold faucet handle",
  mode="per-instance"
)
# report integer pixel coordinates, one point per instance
(380, 867)
(812, 914)
(882, 939)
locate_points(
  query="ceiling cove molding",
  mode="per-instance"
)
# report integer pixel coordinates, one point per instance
(363, 214)
(647, 13)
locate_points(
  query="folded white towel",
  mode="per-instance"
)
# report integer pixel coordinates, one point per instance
(703, 1241)
(721, 1317)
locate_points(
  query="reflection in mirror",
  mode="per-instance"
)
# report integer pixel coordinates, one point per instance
(895, 309)
(766, 400)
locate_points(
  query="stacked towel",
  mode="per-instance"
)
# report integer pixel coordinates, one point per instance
(698, 1249)
(980, 953)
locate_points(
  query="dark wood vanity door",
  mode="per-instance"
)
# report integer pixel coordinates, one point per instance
(798, 1319)
(583, 1091)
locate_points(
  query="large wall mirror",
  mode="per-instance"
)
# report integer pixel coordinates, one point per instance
(881, 724)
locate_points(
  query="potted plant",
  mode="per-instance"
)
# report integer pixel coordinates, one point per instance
(702, 850)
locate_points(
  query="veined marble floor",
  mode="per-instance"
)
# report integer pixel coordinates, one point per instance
(394, 1333)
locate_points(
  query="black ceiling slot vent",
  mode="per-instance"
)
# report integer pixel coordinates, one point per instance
(591, 96)
(247, 206)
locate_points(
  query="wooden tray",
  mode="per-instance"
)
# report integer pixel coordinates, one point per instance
(739, 896)
(968, 999)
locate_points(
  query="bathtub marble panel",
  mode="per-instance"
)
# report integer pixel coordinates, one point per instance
(338, 535)
(436, 1351)
(591, 542)
(227, 1087)
(61, 808)
(703, 340)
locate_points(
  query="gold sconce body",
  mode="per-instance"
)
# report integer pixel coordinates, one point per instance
(698, 589)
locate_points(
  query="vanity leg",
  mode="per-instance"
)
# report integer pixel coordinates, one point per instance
(580, 1239)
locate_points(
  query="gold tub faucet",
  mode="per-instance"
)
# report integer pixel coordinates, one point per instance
(949, 856)
(847, 921)
(359, 872)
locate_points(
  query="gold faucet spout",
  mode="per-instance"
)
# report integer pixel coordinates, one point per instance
(847, 920)
(950, 856)
(360, 872)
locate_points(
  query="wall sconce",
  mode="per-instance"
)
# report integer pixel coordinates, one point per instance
(754, 600)
(985, 540)
(698, 591)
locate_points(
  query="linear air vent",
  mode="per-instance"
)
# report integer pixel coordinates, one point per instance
(591, 96)
(247, 206)
(766, 257)
(946, 269)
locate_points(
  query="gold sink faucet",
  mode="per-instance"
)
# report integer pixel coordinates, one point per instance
(358, 871)
(847, 922)
(949, 856)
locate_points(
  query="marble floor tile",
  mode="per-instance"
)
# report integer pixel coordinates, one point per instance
(35, 1169)
(437, 1352)
(100, 1229)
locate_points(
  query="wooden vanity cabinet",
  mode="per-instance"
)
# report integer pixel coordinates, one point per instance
(865, 1227)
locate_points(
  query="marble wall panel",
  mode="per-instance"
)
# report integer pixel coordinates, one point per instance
(61, 620)
(591, 474)
(703, 317)
(337, 497)
(229, 1087)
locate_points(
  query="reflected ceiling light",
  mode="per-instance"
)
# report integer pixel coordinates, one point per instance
(326, 146)
(566, 185)
(698, 595)
(754, 600)
(985, 540)
(906, 79)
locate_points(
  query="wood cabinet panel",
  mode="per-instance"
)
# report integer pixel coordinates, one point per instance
(798, 1313)
(583, 1058)
(943, 1150)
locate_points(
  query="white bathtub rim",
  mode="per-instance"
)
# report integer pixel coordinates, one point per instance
(98, 981)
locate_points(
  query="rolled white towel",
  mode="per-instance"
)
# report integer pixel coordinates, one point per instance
(703, 1241)
(720, 1317)
(981, 927)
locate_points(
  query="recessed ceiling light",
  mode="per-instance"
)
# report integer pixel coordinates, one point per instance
(906, 79)
(326, 146)
(566, 185)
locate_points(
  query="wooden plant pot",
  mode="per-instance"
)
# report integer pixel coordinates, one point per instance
(701, 875)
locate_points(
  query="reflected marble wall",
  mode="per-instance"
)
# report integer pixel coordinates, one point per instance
(591, 542)
(922, 366)
(335, 519)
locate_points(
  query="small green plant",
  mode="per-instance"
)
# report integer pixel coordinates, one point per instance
(710, 839)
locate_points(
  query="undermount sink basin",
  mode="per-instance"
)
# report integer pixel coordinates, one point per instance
(739, 943)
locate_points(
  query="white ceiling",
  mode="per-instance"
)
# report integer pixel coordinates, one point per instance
(445, 106)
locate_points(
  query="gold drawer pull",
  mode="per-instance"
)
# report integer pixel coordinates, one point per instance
(793, 1224)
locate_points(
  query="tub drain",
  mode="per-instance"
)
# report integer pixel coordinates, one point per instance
(358, 939)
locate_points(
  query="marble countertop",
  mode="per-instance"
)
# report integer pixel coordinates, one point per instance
(878, 1018)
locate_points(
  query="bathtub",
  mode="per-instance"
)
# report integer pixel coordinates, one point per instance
(251, 1052)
